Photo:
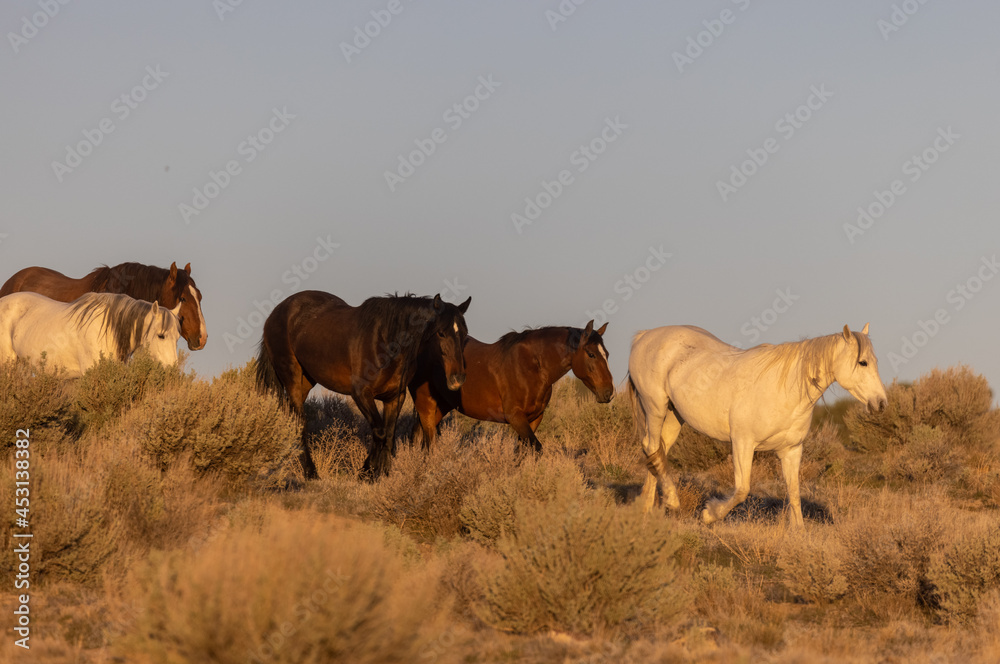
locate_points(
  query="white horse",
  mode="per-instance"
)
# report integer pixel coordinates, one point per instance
(760, 399)
(75, 335)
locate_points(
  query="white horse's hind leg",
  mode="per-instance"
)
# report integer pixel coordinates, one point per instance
(661, 432)
(791, 459)
(742, 460)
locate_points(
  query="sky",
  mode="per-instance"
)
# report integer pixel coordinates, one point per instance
(767, 171)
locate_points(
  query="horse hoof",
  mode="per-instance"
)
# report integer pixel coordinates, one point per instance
(707, 517)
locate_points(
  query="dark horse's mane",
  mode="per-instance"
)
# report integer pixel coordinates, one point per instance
(143, 282)
(397, 319)
(123, 317)
(512, 338)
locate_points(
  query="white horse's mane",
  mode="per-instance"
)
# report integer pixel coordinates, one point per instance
(122, 317)
(803, 359)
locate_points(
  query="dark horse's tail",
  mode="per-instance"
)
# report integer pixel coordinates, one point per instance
(267, 379)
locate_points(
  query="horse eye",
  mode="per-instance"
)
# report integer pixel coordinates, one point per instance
(441, 333)
(162, 336)
(863, 363)
(590, 354)
(183, 299)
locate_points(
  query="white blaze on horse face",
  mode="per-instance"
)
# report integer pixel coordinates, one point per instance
(604, 353)
(456, 328)
(202, 330)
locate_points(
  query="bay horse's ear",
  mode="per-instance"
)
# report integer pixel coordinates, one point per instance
(847, 333)
(865, 331)
(437, 302)
(601, 329)
(173, 273)
(585, 336)
(187, 268)
(465, 305)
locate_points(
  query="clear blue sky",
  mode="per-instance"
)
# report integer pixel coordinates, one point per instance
(832, 100)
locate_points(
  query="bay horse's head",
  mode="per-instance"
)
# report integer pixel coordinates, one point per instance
(590, 361)
(446, 334)
(179, 288)
(855, 367)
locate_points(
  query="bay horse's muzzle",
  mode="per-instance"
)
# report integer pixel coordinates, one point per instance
(455, 381)
(606, 395)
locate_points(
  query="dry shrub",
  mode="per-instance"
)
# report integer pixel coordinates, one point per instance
(305, 588)
(32, 397)
(224, 427)
(823, 453)
(423, 494)
(489, 513)
(960, 402)
(930, 455)
(335, 431)
(694, 451)
(810, 566)
(889, 542)
(734, 603)
(967, 571)
(873, 432)
(110, 386)
(582, 567)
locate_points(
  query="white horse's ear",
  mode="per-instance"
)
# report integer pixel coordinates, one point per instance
(847, 333)
(155, 308)
(865, 331)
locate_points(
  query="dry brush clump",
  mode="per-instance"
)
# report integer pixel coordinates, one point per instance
(967, 571)
(302, 588)
(33, 397)
(224, 427)
(582, 567)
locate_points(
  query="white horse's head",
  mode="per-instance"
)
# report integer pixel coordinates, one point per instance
(855, 367)
(161, 330)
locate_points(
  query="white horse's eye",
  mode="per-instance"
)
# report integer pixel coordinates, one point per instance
(162, 336)
(863, 363)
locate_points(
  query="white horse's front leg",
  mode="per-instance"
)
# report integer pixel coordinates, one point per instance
(791, 460)
(742, 460)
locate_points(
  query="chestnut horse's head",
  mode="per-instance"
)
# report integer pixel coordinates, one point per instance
(180, 289)
(590, 362)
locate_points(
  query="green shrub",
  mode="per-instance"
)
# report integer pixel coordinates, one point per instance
(490, 512)
(968, 570)
(32, 397)
(582, 567)
(222, 427)
(303, 588)
(110, 386)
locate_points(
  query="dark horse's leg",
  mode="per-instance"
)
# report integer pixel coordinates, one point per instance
(525, 431)
(378, 460)
(429, 413)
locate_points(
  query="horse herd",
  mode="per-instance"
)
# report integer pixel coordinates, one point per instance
(387, 347)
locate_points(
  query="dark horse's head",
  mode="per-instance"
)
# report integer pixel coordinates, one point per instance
(445, 336)
(180, 289)
(590, 361)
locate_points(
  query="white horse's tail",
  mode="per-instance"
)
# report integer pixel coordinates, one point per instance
(638, 411)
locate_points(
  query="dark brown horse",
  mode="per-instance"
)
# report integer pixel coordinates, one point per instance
(369, 352)
(511, 380)
(142, 282)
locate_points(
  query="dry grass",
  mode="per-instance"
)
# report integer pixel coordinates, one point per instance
(172, 525)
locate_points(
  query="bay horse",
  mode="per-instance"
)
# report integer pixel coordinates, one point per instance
(143, 282)
(368, 352)
(74, 336)
(761, 398)
(511, 380)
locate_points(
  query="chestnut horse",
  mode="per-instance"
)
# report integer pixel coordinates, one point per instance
(369, 352)
(143, 282)
(511, 380)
